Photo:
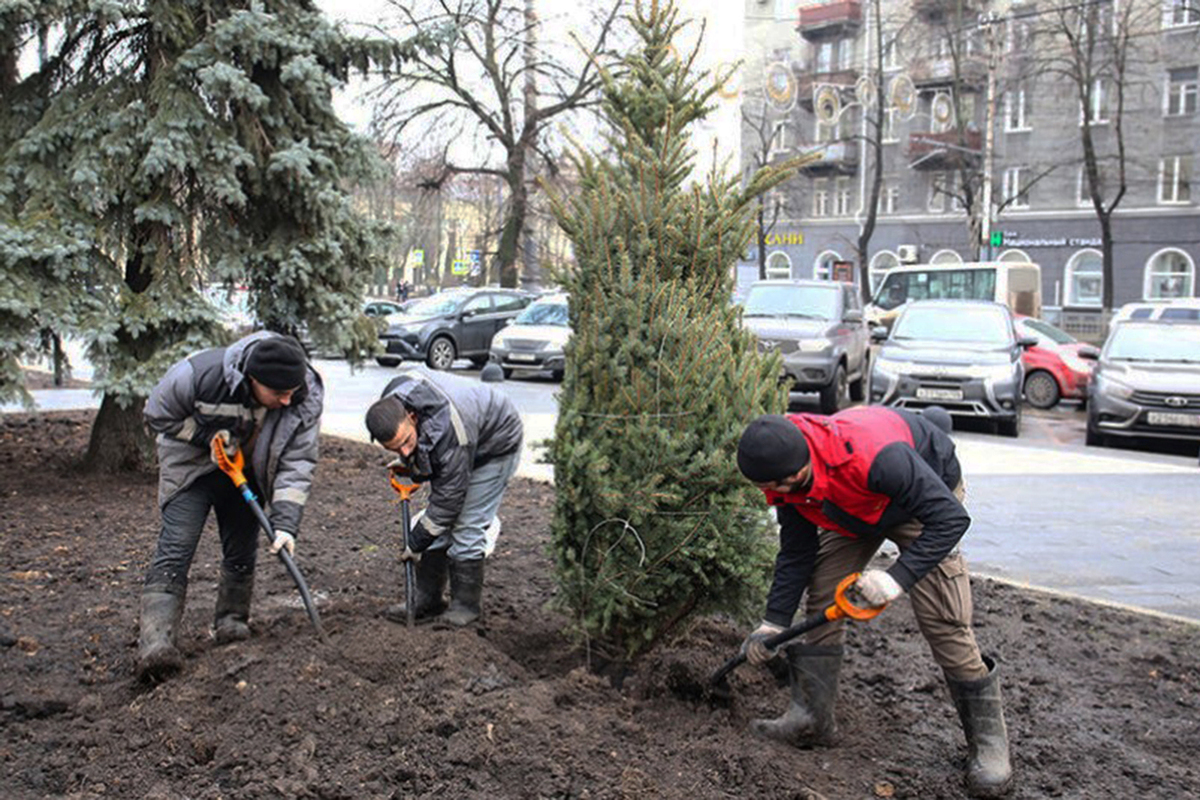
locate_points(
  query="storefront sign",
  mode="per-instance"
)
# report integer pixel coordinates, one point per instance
(1014, 239)
(783, 238)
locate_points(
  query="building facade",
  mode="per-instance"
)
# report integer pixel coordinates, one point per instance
(984, 109)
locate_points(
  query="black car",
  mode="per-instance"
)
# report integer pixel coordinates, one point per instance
(457, 323)
(963, 355)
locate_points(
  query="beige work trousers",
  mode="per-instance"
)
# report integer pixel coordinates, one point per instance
(941, 601)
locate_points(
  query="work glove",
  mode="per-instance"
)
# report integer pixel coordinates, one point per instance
(409, 555)
(399, 465)
(877, 587)
(419, 538)
(284, 539)
(755, 651)
(228, 442)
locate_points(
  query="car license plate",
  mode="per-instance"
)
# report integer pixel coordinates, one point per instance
(1164, 418)
(924, 393)
(522, 357)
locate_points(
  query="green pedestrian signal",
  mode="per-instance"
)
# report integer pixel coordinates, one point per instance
(997, 239)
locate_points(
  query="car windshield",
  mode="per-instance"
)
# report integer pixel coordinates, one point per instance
(1173, 343)
(781, 300)
(547, 313)
(435, 306)
(1044, 330)
(899, 288)
(985, 325)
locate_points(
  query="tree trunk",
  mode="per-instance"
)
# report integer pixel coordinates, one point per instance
(514, 222)
(1106, 250)
(120, 441)
(761, 234)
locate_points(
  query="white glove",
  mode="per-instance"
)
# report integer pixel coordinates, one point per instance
(877, 587)
(409, 555)
(227, 441)
(284, 539)
(757, 652)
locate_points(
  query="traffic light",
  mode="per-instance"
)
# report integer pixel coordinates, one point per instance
(997, 239)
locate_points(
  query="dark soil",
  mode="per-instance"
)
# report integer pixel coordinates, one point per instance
(1101, 703)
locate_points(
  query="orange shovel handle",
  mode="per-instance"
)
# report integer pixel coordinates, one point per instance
(405, 490)
(843, 607)
(231, 466)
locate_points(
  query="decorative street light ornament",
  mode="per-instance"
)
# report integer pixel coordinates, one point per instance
(827, 105)
(902, 95)
(864, 91)
(728, 83)
(942, 109)
(781, 86)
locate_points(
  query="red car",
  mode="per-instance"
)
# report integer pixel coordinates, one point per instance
(1059, 366)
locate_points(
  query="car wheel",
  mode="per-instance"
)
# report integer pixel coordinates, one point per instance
(507, 372)
(1041, 390)
(1010, 427)
(441, 353)
(1093, 436)
(384, 361)
(479, 362)
(833, 395)
(556, 374)
(858, 388)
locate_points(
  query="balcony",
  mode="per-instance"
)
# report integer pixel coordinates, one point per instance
(822, 20)
(836, 157)
(809, 80)
(946, 9)
(940, 151)
(930, 73)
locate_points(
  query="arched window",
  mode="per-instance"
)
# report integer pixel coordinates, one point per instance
(823, 265)
(1169, 273)
(779, 265)
(946, 257)
(881, 262)
(1084, 277)
(1015, 257)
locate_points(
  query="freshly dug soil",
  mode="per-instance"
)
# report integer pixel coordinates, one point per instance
(1101, 703)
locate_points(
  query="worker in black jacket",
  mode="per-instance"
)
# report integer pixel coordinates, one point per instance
(840, 486)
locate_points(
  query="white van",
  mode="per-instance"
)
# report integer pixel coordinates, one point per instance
(1018, 285)
(1186, 309)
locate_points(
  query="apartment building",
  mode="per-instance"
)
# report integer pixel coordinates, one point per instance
(981, 141)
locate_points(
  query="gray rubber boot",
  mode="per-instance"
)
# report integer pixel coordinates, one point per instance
(158, 657)
(429, 597)
(231, 622)
(466, 591)
(981, 710)
(809, 720)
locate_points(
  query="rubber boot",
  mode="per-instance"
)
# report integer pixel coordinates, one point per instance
(466, 590)
(231, 622)
(429, 595)
(158, 657)
(981, 710)
(813, 678)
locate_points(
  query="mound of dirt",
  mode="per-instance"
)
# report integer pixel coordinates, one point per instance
(1100, 702)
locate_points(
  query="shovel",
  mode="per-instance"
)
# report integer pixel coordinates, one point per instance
(841, 607)
(406, 489)
(233, 466)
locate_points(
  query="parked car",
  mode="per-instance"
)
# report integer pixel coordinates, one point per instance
(385, 308)
(1146, 383)
(1017, 284)
(1058, 366)
(457, 323)
(1185, 309)
(535, 338)
(818, 328)
(963, 355)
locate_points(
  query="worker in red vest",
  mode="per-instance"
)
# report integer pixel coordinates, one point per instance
(840, 486)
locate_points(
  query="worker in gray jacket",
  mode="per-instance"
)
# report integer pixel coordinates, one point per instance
(259, 394)
(464, 439)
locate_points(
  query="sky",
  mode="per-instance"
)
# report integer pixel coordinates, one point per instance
(722, 47)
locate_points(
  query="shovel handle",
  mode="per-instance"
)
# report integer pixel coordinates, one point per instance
(405, 488)
(232, 466)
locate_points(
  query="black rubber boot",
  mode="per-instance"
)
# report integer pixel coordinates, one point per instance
(158, 658)
(813, 677)
(232, 620)
(981, 710)
(466, 590)
(429, 597)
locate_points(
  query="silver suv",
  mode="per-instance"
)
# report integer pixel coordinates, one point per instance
(1146, 383)
(818, 328)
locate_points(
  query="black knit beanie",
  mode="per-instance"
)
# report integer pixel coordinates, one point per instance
(277, 362)
(771, 447)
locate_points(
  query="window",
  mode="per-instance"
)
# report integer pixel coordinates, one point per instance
(508, 302)
(479, 304)
(820, 197)
(891, 59)
(841, 198)
(845, 54)
(1175, 179)
(1015, 256)
(823, 266)
(1016, 187)
(1099, 106)
(1017, 40)
(889, 196)
(1084, 276)
(779, 138)
(1182, 89)
(787, 10)
(946, 257)
(824, 58)
(1016, 110)
(779, 265)
(1169, 274)
(824, 133)
(1180, 12)
(1083, 195)
(777, 203)
(881, 262)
